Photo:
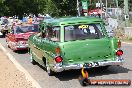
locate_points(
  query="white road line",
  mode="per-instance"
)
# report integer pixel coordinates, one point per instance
(20, 68)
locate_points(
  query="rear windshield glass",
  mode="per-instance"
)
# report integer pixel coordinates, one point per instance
(80, 32)
(24, 29)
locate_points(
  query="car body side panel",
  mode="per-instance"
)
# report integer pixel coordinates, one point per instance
(45, 49)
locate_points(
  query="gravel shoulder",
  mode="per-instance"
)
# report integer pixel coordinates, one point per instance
(10, 76)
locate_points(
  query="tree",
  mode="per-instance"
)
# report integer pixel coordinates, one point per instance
(66, 7)
(52, 7)
(2, 8)
(20, 7)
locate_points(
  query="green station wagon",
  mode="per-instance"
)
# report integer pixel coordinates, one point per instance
(74, 43)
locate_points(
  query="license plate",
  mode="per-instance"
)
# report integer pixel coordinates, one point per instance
(92, 64)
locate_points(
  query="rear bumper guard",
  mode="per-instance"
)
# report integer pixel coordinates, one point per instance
(60, 68)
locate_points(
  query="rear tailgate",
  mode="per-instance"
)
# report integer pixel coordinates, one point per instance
(83, 51)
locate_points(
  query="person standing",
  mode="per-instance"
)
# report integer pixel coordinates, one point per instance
(30, 19)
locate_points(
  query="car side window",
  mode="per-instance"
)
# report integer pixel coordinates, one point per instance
(42, 34)
(53, 33)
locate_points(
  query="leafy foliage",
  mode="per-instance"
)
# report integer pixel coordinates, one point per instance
(52, 7)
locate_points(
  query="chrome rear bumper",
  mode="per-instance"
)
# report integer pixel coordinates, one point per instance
(21, 46)
(60, 68)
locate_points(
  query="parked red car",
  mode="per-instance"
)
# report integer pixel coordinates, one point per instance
(95, 12)
(18, 37)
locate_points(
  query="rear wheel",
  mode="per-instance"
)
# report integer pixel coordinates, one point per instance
(32, 60)
(7, 44)
(49, 71)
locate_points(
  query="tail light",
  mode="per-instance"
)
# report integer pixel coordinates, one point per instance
(119, 53)
(58, 59)
(119, 43)
(57, 49)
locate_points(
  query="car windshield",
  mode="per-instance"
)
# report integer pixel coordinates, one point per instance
(83, 31)
(24, 29)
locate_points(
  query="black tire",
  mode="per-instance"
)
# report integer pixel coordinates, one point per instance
(32, 60)
(4, 34)
(50, 72)
(7, 44)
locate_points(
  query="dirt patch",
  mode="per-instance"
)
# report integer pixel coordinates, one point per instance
(10, 76)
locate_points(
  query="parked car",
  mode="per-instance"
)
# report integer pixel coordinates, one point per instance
(73, 43)
(5, 26)
(4, 30)
(18, 37)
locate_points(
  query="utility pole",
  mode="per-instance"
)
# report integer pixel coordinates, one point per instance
(78, 10)
(117, 13)
(116, 3)
(126, 11)
(106, 6)
(101, 8)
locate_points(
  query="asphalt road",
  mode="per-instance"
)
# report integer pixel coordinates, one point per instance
(69, 79)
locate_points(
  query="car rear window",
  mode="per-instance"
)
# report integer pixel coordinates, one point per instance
(24, 29)
(83, 31)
